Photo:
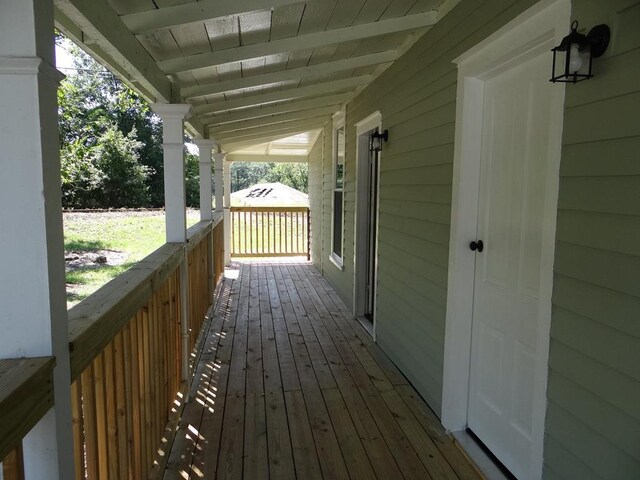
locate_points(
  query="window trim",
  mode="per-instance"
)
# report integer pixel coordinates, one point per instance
(338, 122)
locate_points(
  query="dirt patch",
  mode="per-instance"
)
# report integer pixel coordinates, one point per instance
(76, 259)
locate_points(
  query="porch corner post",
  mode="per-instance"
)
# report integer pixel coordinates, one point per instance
(173, 116)
(204, 150)
(205, 146)
(218, 172)
(32, 281)
(227, 212)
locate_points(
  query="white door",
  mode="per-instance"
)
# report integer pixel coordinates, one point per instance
(512, 218)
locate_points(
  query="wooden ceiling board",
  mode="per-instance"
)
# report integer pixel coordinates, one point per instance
(285, 21)
(160, 45)
(316, 16)
(322, 54)
(123, 7)
(204, 75)
(398, 8)
(223, 33)
(299, 58)
(255, 27)
(345, 13)
(171, 3)
(372, 11)
(191, 38)
(229, 71)
(424, 6)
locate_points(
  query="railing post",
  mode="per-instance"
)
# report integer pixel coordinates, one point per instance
(173, 116)
(32, 280)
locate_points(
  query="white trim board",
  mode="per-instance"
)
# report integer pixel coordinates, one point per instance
(337, 123)
(365, 125)
(534, 31)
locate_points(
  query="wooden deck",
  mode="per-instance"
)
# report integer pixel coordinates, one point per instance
(288, 386)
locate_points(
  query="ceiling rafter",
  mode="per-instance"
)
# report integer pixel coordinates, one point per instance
(292, 74)
(172, 16)
(288, 94)
(301, 42)
(260, 112)
(273, 119)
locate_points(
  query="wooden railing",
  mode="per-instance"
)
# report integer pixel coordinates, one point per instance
(127, 357)
(270, 232)
(26, 394)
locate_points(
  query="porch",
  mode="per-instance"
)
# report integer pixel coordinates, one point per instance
(288, 385)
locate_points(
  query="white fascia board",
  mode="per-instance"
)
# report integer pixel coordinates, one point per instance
(301, 42)
(288, 94)
(167, 17)
(292, 74)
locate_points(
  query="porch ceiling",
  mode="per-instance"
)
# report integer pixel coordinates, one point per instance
(253, 70)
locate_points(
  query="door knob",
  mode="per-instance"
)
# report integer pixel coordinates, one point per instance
(479, 246)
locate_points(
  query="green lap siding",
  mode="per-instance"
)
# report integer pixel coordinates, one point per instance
(593, 416)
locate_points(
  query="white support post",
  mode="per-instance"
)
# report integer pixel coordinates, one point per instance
(227, 212)
(32, 279)
(204, 149)
(173, 116)
(206, 211)
(218, 172)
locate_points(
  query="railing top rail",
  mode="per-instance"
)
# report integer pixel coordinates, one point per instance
(26, 394)
(98, 318)
(269, 209)
(197, 232)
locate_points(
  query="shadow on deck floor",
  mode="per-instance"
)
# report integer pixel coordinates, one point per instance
(289, 386)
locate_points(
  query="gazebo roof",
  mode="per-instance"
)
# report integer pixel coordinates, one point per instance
(269, 195)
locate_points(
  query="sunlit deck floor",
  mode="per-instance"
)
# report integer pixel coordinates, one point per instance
(288, 386)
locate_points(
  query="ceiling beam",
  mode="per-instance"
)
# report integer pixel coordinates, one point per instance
(270, 120)
(301, 42)
(247, 157)
(234, 147)
(261, 112)
(251, 133)
(292, 74)
(288, 94)
(167, 17)
(98, 21)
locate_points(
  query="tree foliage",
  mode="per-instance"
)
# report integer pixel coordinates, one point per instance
(111, 145)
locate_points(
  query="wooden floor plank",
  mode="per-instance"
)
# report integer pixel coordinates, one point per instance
(288, 386)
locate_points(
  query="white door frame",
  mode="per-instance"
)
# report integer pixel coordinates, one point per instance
(360, 231)
(533, 32)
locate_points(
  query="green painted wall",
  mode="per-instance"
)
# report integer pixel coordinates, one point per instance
(416, 98)
(593, 414)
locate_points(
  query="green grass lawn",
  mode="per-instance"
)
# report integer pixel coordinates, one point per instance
(133, 236)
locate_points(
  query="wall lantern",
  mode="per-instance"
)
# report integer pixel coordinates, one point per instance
(377, 138)
(575, 54)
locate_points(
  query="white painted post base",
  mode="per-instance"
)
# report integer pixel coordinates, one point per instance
(32, 280)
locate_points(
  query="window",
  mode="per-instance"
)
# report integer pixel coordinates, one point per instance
(338, 194)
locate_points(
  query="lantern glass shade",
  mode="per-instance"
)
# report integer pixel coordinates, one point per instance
(573, 58)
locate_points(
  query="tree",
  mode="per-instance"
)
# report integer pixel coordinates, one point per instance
(93, 105)
(295, 175)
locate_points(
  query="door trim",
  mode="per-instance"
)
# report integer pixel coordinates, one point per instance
(360, 256)
(535, 31)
